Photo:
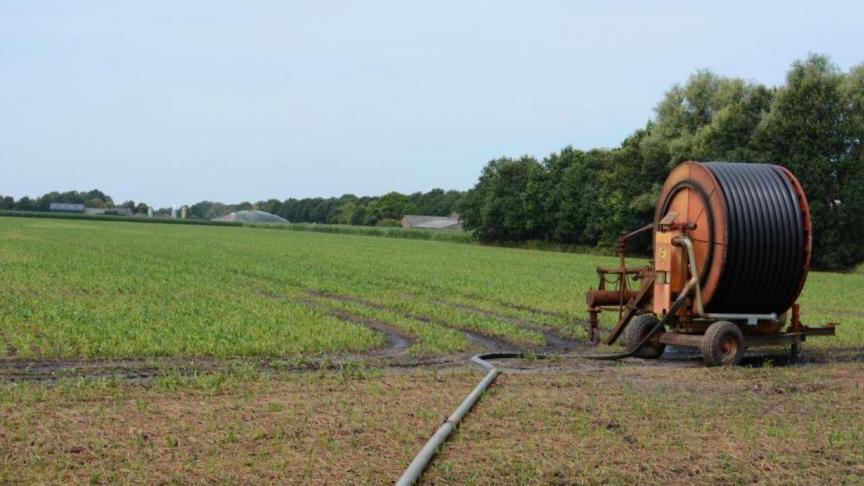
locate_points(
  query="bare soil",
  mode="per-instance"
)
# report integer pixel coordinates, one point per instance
(604, 424)
(664, 425)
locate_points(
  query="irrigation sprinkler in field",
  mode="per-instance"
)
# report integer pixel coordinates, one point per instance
(742, 233)
(731, 251)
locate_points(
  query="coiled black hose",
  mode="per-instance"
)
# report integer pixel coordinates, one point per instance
(765, 239)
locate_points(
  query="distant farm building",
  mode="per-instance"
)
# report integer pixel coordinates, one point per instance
(431, 222)
(59, 207)
(109, 211)
(80, 208)
(252, 216)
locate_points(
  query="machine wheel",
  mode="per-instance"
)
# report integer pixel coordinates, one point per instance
(636, 331)
(722, 344)
(795, 351)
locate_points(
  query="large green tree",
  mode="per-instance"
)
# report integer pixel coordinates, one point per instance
(815, 128)
(813, 124)
(497, 208)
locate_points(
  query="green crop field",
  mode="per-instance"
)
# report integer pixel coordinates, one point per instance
(92, 310)
(116, 289)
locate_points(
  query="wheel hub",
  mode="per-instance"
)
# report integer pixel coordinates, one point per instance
(729, 346)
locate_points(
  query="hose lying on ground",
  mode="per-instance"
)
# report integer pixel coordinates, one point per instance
(421, 461)
(418, 465)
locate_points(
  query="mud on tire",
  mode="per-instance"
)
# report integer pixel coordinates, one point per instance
(636, 331)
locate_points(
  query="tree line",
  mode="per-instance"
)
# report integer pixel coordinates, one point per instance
(91, 199)
(813, 125)
(386, 210)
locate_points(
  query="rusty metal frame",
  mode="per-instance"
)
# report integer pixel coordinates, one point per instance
(796, 333)
(632, 306)
(628, 303)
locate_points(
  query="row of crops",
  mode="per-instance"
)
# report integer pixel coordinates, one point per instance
(75, 288)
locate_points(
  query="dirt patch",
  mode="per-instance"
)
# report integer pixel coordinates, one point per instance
(788, 388)
(649, 425)
(621, 425)
(832, 354)
(303, 429)
(131, 370)
(388, 360)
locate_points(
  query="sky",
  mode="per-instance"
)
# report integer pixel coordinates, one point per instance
(174, 102)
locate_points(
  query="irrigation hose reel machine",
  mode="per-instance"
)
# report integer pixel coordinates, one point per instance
(731, 252)
(732, 245)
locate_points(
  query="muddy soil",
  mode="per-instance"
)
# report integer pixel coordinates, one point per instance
(145, 370)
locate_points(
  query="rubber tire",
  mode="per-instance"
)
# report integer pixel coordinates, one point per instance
(795, 352)
(714, 336)
(636, 331)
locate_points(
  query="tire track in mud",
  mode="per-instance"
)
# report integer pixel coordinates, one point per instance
(554, 341)
(48, 370)
(602, 332)
(397, 340)
(144, 370)
(439, 289)
(486, 341)
(480, 340)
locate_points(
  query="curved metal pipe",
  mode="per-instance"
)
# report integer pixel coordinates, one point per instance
(694, 272)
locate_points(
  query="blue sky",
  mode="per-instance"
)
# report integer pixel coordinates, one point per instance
(173, 102)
